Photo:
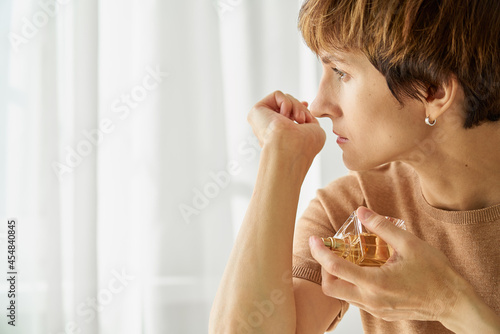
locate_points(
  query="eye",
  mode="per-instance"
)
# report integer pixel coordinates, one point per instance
(340, 74)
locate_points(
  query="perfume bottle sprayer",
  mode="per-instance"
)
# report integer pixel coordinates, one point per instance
(354, 243)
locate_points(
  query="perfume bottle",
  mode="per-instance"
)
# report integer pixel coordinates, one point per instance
(354, 243)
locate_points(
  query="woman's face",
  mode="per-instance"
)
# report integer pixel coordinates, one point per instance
(377, 130)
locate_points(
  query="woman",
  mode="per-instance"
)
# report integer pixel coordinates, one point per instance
(412, 89)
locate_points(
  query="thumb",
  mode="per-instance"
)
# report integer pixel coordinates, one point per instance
(383, 227)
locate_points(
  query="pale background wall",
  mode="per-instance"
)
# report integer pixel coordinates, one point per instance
(113, 116)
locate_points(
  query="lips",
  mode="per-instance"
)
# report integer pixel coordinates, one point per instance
(339, 135)
(341, 139)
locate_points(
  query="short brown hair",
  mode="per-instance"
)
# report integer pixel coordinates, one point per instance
(417, 44)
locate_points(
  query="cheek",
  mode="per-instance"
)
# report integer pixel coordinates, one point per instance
(372, 147)
(381, 132)
(381, 114)
(371, 121)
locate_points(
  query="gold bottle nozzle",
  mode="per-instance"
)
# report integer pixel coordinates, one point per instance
(333, 243)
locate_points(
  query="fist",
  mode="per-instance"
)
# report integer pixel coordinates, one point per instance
(283, 123)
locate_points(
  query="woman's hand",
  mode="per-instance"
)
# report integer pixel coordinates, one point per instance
(416, 283)
(282, 122)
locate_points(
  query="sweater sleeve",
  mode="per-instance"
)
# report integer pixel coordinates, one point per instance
(324, 215)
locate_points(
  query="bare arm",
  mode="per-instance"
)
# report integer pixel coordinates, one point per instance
(315, 311)
(256, 290)
(257, 293)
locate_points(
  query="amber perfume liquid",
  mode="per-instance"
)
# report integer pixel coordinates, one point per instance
(354, 243)
(367, 249)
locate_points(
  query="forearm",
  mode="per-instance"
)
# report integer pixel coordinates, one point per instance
(472, 315)
(256, 289)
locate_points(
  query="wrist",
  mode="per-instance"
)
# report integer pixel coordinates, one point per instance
(458, 309)
(292, 164)
(471, 314)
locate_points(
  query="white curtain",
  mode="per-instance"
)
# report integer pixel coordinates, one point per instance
(128, 162)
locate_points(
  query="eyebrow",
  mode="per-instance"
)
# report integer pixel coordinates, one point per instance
(333, 58)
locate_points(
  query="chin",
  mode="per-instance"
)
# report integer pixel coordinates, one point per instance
(360, 165)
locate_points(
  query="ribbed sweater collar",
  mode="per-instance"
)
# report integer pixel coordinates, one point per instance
(485, 215)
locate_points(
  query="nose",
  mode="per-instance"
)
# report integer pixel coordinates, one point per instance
(325, 103)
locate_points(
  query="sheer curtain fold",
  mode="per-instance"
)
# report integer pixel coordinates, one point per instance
(128, 159)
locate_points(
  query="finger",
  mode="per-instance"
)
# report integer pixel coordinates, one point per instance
(298, 110)
(278, 102)
(309, 117)
(383, 227)
(338, 288)
(335, 265)
(306, 116)
(270, 101)
(286, 105)
(298, 116)
(301, 113)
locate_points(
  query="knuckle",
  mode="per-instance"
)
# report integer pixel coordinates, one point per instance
(327, 279)
(379, 223)
(277, 127)
(332, 266)
(278, 93)
(327, 285)
(326, 289)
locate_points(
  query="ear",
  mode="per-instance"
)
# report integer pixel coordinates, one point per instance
(441, 98)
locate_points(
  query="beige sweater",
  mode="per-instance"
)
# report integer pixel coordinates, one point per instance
(467, 238)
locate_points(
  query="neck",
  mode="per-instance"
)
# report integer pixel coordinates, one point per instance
(462, 172)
